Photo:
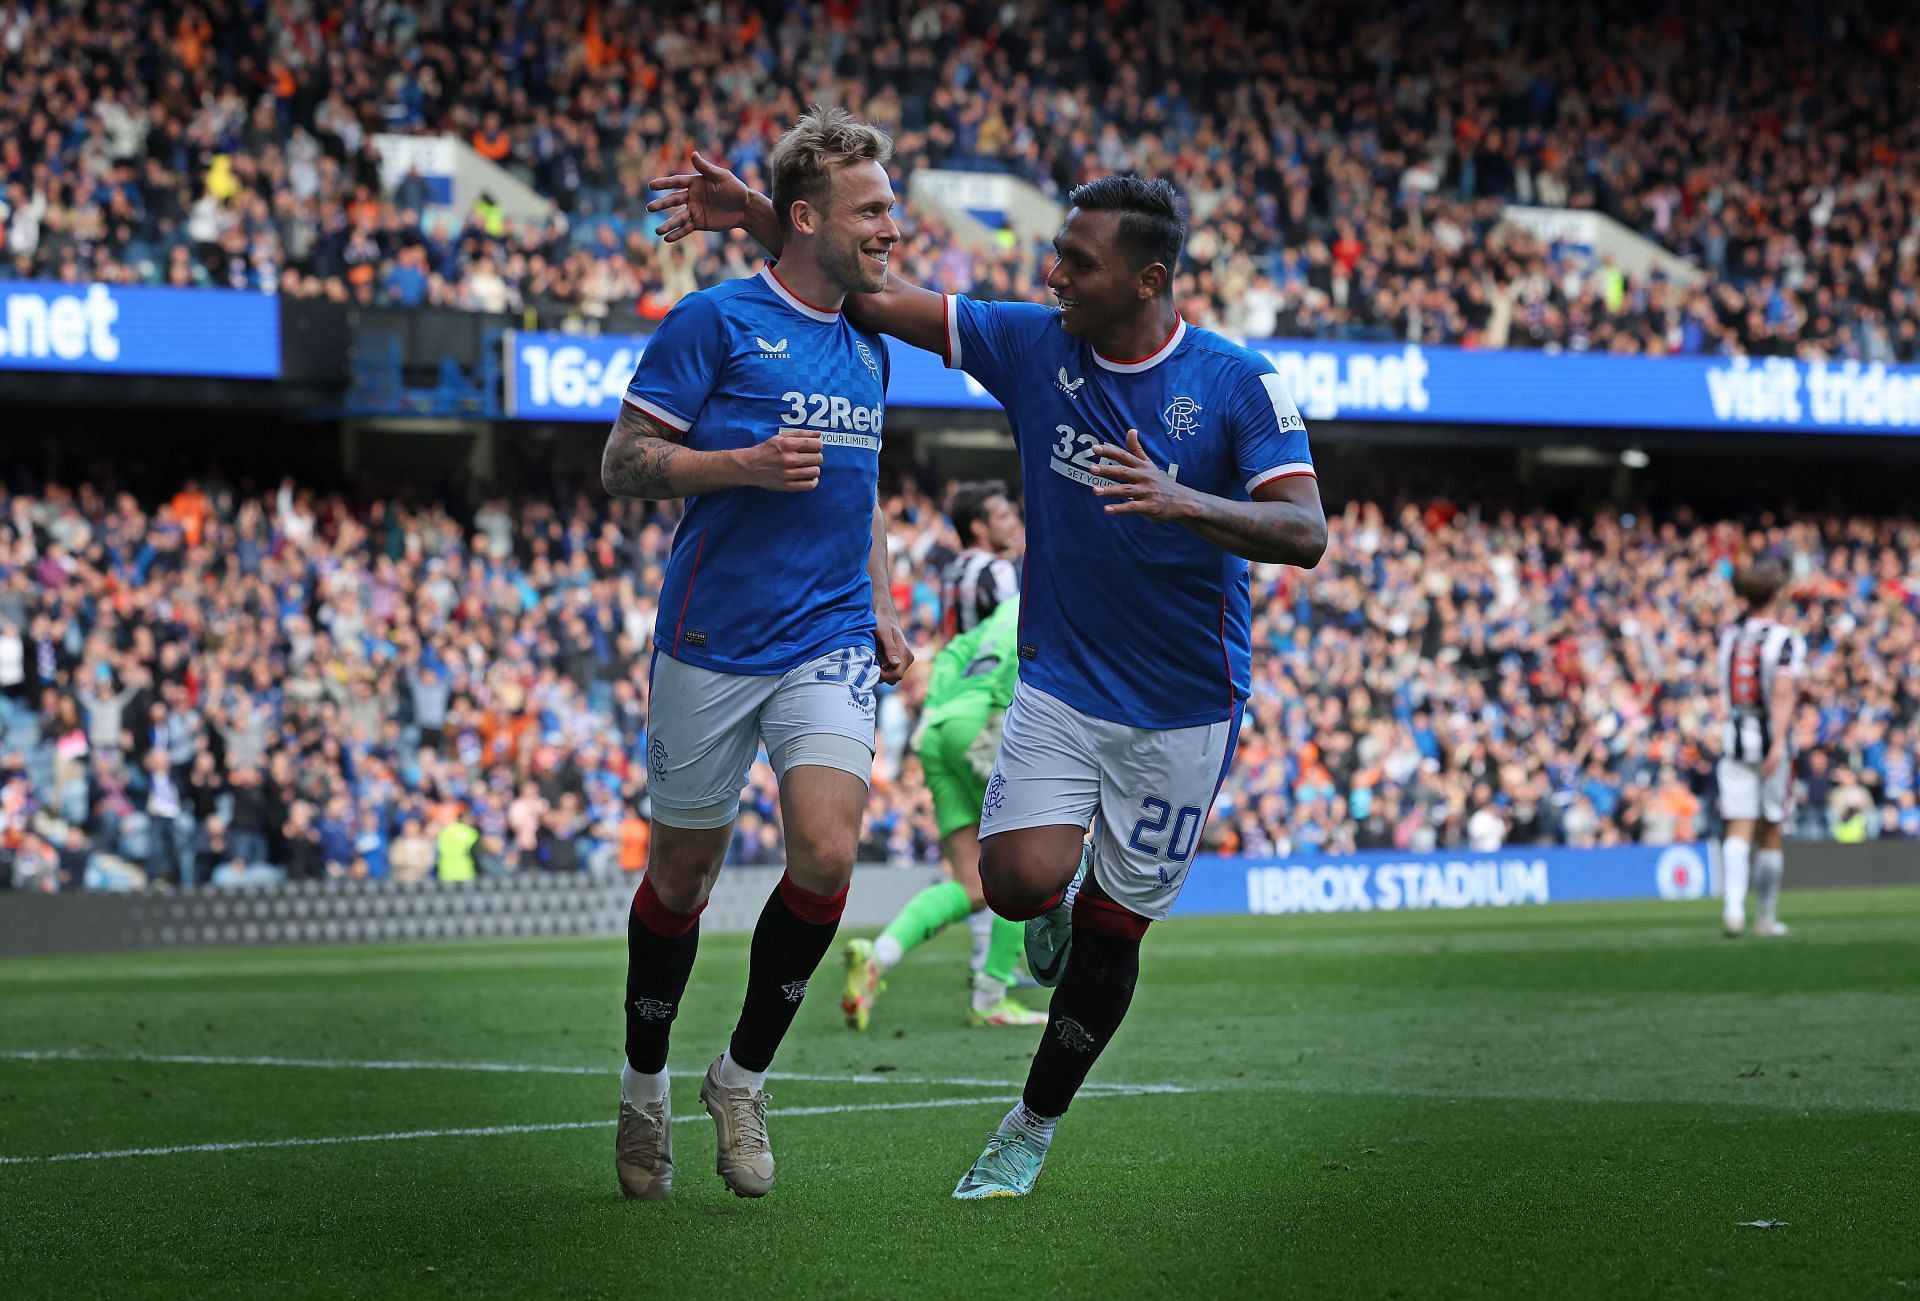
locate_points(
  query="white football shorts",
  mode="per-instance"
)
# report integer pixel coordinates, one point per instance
(1151, 788)
(704, 728)
(1744, 793)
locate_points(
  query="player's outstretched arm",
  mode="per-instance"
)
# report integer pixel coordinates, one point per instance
(1284, 524)
(890, 643)
(645, 457)
(712, 198)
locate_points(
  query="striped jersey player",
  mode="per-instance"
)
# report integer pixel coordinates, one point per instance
(1761, 663)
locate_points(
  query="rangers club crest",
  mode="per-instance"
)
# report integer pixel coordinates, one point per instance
(1680, 874)
(1183, 417)
(652, 1009)
(794, 990)
(1073, 1036)
(657, 758)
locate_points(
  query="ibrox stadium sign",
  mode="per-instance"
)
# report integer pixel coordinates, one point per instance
(570, 377)
(1393, 882)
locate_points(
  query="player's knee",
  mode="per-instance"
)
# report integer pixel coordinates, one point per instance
(822, 860)
(1012, 884)
(681, 869)
(679, 889)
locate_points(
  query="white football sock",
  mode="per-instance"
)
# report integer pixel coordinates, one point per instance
(981, 924)
(888, 951)
(1769, 866)
(641, 1089)
(1733, 866)
(988, 993)
(1041, 1127)
(732, 1075)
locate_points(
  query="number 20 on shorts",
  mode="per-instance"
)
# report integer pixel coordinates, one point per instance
(1178, 844)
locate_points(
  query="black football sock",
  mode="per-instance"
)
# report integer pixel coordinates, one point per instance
(660, 948)
(1089, 1004)
(795, 931)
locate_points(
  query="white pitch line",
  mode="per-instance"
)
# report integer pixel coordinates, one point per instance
(531, 1068)
(482, 1131)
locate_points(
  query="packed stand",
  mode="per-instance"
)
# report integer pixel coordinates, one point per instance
(1346, 165)
(1448, 678)
(235, 687)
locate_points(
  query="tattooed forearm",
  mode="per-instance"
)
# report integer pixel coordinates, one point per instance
(638, 461)
(1278, 532)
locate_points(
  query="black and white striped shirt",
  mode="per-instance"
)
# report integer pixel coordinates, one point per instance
(973, 585)
(1753, 654)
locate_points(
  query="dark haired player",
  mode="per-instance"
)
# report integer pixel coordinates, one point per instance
(984, 576)
(1158, 459)
(958, 737)
(1761, 662)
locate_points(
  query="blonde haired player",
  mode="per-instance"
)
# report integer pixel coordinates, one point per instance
(763, 405)
(1761, 662)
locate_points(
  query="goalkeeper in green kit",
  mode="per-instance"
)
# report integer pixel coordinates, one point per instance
(959, 734)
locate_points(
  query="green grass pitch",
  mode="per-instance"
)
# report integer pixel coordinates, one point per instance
(1565, 1101)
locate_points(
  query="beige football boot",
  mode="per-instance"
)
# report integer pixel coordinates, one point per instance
(745, 1158)
(643, 1151)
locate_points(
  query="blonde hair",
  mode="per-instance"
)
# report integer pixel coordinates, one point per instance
(825, 138)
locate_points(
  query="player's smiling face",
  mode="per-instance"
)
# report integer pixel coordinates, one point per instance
(859, 232)
(1092, 279)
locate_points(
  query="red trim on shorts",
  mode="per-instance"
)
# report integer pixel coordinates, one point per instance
(686, 596)
(657, 917)
(1226, 662)
(813, 909)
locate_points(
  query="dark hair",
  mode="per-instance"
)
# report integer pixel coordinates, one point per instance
(1151, 228)
(1759, 582)
(969, 503)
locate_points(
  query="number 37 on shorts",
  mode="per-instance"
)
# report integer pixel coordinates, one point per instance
(1151, 788)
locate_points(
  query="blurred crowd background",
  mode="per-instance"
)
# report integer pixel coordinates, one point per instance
(215, 680)
(1346, 164)
(233, 684)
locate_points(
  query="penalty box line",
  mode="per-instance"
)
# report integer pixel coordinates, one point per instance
(1090, 1089)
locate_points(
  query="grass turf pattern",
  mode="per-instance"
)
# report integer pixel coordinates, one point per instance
(1572, 1100)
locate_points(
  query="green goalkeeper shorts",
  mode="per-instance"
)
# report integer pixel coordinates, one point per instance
(957, 788)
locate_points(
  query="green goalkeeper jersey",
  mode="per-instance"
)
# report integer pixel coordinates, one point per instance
(975, 673)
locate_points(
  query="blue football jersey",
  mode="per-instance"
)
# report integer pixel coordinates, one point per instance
(758, 581)
(1132, 620)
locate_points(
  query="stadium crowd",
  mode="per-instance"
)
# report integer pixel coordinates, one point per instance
(1346, 165)
(237, 686)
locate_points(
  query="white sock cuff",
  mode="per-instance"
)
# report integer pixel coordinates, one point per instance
(732, 1075)
(640, 1088)
(981, 925)
(988, 993)
(888, 951)
(1770, 859)
(1039, 1126)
